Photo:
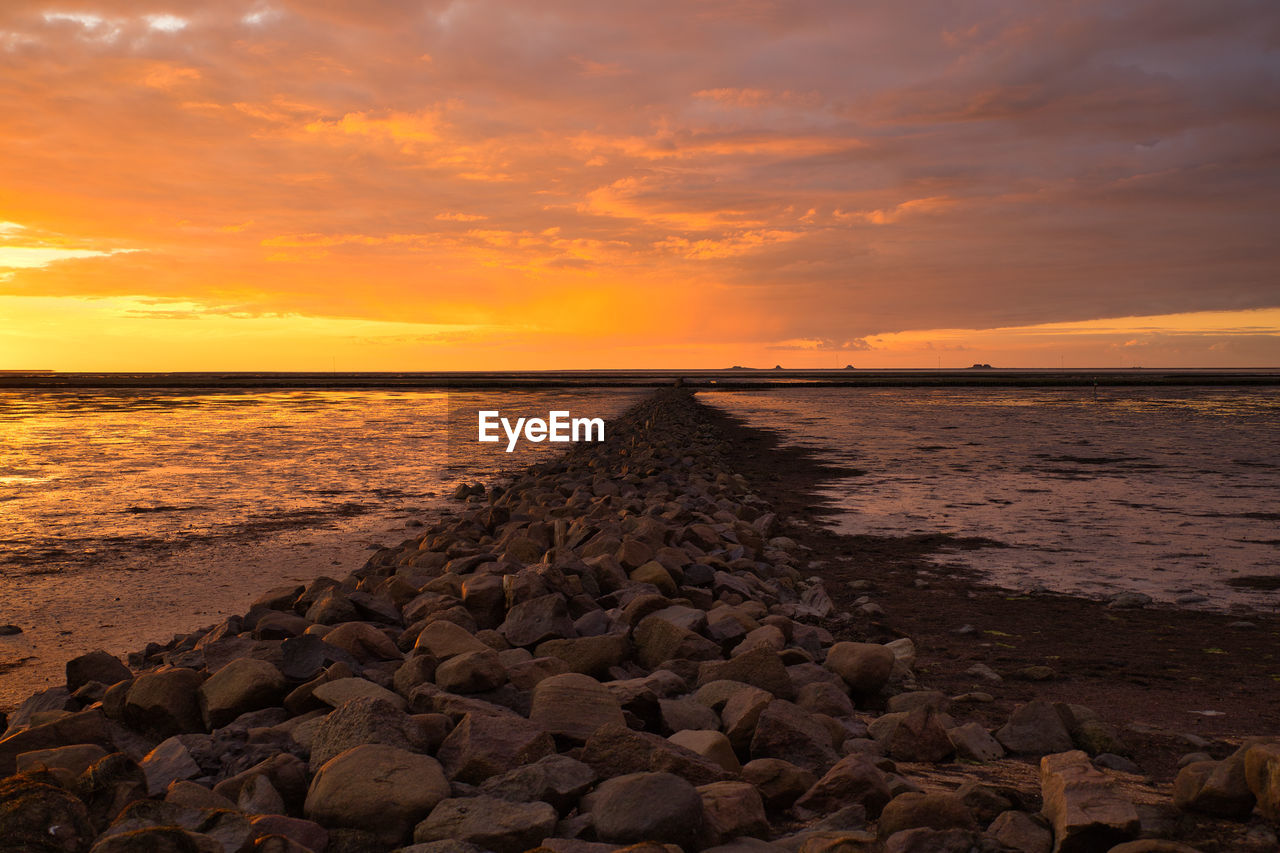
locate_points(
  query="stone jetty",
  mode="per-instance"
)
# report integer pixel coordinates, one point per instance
(621, 647)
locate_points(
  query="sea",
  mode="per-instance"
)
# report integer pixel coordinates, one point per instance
(130, 514)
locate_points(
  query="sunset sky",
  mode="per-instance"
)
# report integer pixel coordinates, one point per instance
(471, 184)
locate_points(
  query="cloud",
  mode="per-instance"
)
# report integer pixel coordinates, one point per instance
(809, 171)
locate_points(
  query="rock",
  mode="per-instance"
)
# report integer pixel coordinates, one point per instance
(1152, 845)
(482, 745)
(933, 811)
(780, 782)
(1262, 775)
(196, 796)
(926, 840)
(975, 743)
(471, 672)
(573, 706)
(854, 779)
(340, 691)
(787, 731)
(589, 655)
(1035, 728)
(1219, 788)
(443, 639)
(304, 657)
(614, 750)
(259, 797)
(984, 672)
(1111, 761)
(913, 699)
(417, 669)
(158, 839)
(1084, 806)
(658, 640)
(39, 816)
(916, 735)
(686, 713)
(711, 745)
(96, 666)
(168, 763)
(488, 823)
(537, 620)
(165, 703)
(363, 642)
(1022, 831)
(556, 779)
(865, 667)
(825, 698)
(246, 684)
(647, 807)
(64, 762)
(760, 667)
(84, 727)
(307, 834)
(741, 712)
(110, 785)
(376, 788)
(731, 810)
(364, 720)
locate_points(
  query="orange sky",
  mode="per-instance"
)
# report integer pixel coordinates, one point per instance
(470, 184)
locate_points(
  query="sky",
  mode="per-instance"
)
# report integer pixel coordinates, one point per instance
(473, 184)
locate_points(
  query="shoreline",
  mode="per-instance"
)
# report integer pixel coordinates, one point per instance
(663, 609)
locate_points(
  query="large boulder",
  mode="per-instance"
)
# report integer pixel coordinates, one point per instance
(573, 706)
(787, 731)
(365, 720)
(652, 807)
(614, 750)
(865, 667)
(488, 823)
(731, 810)
(165, 703)
(854, 779)
(246, 684)
(556, 779)
(377, 788)
(1086, 809)
(38, 815)
(536, 620)
(95, 666)
(1035, 728)
(484, 745)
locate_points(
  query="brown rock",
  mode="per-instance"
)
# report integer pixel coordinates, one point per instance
(711, 745)
(658, 640)
(865, 667)
(854, 779)
(780, 782)
(742, 712)
(647, 807)
(1262, 774)
(536, 620)
(365, 720)
(377, 788)
(95, 666)
(1035, 728)
(488, 823)
(37, 815)
(589, 655)
(573, 706)
(916, 735)
(363, 642)
(759, 667)
(787, 731)
(1022, 831)
(443, 639)
(165, 703)
(246, 684)
(340, 691)
(471, 672)
(614, 750)
(1219, 788)
(731, 810)
(1083, 805)
(482, 745)
(934, 811)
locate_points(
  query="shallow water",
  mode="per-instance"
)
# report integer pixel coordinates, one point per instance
(128, 516)
(1169, 492)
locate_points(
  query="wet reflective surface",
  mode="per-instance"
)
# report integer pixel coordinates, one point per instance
(127, 516)
(1169, 492)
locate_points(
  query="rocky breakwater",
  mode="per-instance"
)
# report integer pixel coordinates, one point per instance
(614, 648)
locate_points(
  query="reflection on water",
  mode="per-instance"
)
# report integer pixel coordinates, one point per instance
(87, 476)
(128, 516)
(1170, 492)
